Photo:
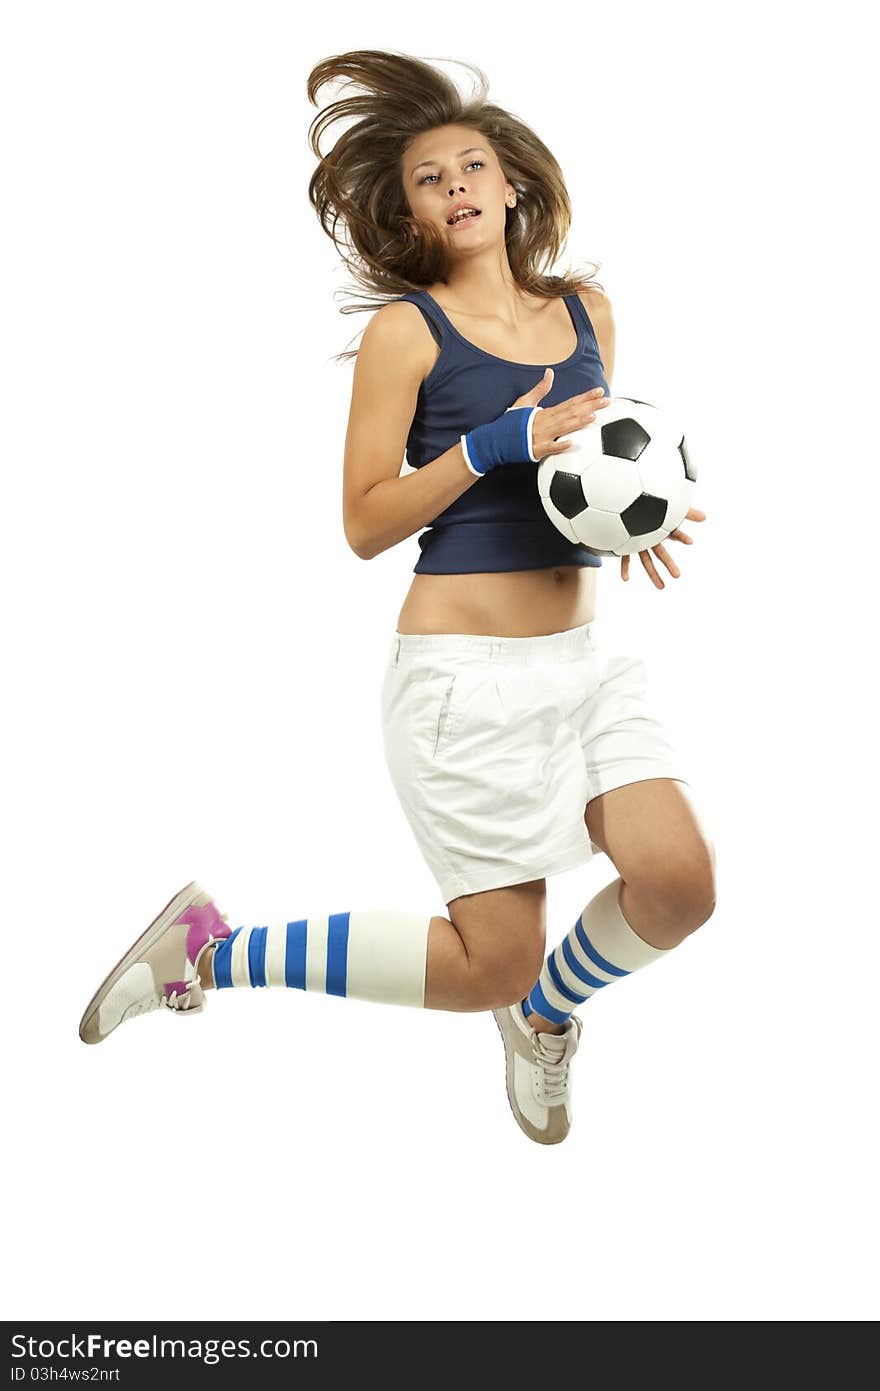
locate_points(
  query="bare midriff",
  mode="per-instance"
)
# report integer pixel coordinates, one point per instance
(512, 604)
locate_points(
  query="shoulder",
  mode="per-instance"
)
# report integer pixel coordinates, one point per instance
(596, 303)
(396, 321)
(399, 327)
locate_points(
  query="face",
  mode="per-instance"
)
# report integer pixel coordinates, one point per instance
(451, 164)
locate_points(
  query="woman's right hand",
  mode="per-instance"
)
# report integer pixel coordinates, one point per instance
(531, 431)
(552, 421)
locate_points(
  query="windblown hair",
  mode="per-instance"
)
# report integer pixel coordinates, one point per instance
(358, 185)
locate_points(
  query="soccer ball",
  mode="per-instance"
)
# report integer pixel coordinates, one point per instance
(625, 483)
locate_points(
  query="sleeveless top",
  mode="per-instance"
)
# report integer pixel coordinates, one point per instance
(499, 523)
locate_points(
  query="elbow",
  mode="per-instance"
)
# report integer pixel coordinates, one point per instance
(364, 547)
(352, 526)
(358, 544)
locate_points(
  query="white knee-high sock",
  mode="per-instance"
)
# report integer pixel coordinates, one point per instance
(599, 949)
(377, 954)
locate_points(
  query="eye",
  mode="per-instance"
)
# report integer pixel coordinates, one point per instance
(480, 162)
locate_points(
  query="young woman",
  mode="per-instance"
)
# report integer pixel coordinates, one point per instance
(516, 743)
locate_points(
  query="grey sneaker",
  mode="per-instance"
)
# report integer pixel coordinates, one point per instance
(538, 1082)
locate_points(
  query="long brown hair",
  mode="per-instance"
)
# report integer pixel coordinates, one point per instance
(358, 185)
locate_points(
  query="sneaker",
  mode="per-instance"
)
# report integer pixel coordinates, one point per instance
(161, 969)
(538, 1085)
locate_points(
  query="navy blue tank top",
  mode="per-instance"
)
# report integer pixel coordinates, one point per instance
(499, 523)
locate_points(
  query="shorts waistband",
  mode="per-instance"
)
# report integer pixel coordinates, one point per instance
(483, 647)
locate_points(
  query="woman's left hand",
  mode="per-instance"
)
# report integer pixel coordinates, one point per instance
(693, 515)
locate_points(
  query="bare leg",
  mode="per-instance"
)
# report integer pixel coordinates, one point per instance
(483, 959)
(652, 833)
(641, 912)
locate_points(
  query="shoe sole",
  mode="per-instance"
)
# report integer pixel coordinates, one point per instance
(193, 893)
(508, 1085)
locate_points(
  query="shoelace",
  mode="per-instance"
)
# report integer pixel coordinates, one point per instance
(554, 1073)
(554, 1062)
(186, 1000)
(194, 995)
(183, 1001)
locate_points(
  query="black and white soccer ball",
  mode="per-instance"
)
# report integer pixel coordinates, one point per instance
(625, 483)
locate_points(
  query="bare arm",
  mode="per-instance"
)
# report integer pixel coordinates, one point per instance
(380, 508)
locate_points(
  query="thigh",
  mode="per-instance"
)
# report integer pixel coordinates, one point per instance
(504, 929)
(651, 831)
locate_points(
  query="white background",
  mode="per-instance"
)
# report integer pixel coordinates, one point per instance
(193, 657)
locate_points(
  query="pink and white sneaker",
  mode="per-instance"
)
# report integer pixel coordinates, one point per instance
(161, 969)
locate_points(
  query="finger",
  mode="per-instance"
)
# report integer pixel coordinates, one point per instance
(649, 566)
(579, 415)
(694, 514)
(662, 554)
(680, 536)
(624, 567)
(573, 426)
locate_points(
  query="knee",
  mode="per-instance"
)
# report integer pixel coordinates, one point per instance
(505, 982)
(682, 888)
(687, 893)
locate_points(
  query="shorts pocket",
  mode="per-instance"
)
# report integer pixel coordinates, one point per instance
(444, 725)
(419, 713)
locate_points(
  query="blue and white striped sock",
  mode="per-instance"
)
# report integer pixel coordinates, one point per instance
(599, 949)
(379, 954)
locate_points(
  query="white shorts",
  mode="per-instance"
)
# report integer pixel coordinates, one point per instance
(496, 745)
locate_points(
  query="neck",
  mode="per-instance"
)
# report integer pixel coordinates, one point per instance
(484, 288)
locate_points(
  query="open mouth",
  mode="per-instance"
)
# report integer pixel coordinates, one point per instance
(467, 216)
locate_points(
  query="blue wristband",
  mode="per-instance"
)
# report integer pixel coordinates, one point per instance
(507, 440)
